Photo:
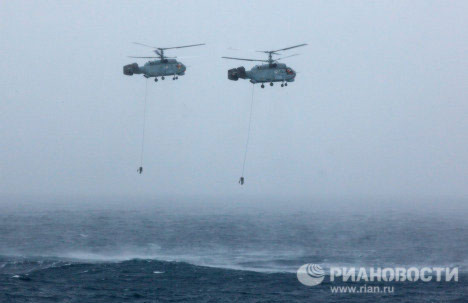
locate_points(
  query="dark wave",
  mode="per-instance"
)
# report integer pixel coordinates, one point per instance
(144, 280)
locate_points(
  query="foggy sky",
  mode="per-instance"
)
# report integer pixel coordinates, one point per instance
(379, 106)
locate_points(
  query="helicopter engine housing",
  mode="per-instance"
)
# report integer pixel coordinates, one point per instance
(131, 69)
(236, 73)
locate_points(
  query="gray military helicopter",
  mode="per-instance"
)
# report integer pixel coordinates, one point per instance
(165, 66)
(271, 72)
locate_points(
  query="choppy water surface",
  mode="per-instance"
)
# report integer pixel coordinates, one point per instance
(212, 254)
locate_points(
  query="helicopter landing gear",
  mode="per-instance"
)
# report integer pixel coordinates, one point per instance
(162, 78)
(155, 79)
(262, 86)
(282, 84)
(271, 83)
(286, 84)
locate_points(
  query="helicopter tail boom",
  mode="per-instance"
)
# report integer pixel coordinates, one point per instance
(131, 69)
(236, 73)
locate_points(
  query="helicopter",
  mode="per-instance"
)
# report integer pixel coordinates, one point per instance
(271, 72)
(165, 66)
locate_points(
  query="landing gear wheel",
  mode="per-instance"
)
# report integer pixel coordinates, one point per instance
(282, 84)
(286, 84)
(271, 83)
(162, 78)
(177, 77)
(155, 79)
(173, 78)
(262, 86)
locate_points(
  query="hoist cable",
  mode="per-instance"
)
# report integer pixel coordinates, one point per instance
(248, 131)
(144, 125)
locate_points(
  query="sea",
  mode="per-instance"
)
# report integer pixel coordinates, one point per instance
(247, 249)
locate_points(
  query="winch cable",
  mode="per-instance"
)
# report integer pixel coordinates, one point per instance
(241, 180)
(140, 169)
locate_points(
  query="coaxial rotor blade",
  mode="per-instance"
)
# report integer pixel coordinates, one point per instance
(269, 52)
(283, 49)
(164, 48)
(288, 56)
(141, 57)
(232, 58)
(144, 45)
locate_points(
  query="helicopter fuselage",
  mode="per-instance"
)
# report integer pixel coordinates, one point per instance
(276, 72)
(156, 68)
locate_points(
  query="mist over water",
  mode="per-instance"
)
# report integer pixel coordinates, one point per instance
(258, 234)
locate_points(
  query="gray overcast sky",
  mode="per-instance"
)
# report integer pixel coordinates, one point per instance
(379, 106)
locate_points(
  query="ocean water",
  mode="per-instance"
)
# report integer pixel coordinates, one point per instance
(179, 251)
